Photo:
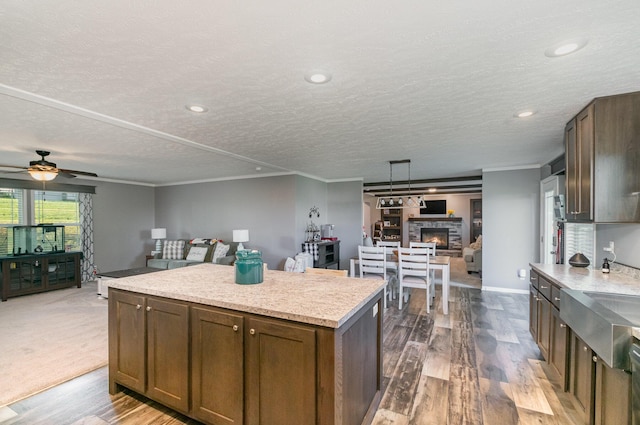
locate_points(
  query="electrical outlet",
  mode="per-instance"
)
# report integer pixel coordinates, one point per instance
(610, 248)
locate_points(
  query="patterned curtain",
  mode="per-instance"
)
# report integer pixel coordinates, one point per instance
(86, 229)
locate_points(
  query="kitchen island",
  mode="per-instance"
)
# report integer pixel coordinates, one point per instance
(295, 349)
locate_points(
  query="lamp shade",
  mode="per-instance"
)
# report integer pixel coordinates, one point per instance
(158, 233)
(241, 235)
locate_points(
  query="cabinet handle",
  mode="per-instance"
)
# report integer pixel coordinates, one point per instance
(557, 298)
(235, 328)
(563, 325)
(543, 287)
(148, 308)
(138, 307)
(585, 348)
(595, 359)
(252, 331)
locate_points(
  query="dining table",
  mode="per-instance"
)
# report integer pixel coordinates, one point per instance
(438, 262)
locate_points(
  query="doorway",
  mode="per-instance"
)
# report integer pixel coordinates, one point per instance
(549, 189)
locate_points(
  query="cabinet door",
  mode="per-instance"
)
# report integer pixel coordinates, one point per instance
(581, 378)
(281, 374)
(533, 312)
(217, 366)
(613, 395)
(168, 352)
(584, 143)
(127, 341)
(558, 348)
(544, 325)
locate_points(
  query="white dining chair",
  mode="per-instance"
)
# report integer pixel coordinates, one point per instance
(432, 251)
(373, 262)
(413, 272)
(388, 244)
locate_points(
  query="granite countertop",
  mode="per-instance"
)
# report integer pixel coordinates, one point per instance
(312, 299)
(586, 279)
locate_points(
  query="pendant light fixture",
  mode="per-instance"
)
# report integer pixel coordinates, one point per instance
(399, 201)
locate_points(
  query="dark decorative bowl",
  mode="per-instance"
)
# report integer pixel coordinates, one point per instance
(579, 260)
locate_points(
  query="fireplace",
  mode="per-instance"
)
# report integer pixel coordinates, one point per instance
(438, 235)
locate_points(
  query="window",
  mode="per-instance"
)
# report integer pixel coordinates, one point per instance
(11, 214)
(59, 208)
(24, 207)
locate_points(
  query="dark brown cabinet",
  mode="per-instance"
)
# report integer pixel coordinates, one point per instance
(559, 346)
(392, 225)
(227, 367)
(613, 395)
(149, 346)
(602, 157)
(217, 356)
(328, 254)
(601, 394)
(582, 378)
(545, 325)
(278, 369)
(29, 274)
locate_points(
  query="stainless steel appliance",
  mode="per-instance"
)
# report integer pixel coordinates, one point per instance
(634, 355)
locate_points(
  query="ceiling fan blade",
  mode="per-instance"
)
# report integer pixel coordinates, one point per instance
(76, 173)
(13, 166)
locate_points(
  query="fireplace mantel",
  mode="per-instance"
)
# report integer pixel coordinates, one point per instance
(435, 219)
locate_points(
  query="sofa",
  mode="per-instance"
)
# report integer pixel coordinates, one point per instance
(186, 252)
(473, 256)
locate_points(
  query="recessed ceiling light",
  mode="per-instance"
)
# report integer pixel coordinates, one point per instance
(196, 108)
(318, 77)
(565, 47)
(524, 114)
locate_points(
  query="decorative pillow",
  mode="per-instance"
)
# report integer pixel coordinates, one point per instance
(205, 241)
(221, 251)
(197, 253)
(173, 250)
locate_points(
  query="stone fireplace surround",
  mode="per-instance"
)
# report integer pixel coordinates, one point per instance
(454, 224)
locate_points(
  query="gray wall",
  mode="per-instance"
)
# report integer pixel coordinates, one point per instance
(345, 212)
(274, 209)
(123, 216)
(264, 206)
(510, 219)
(627, 243)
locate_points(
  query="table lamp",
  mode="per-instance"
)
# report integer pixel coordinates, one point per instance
(158, 235)
(241, 236)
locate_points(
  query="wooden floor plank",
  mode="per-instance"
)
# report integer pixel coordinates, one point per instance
(431, 404)
(438, 369)
(464, 396)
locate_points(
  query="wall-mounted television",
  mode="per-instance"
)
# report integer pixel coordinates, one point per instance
(434, 207)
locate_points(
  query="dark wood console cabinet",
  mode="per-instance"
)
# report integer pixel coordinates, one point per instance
(328, 254)
(29, 274)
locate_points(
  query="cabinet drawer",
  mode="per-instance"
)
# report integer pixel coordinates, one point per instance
(533, 278)
(555, 296)
(544, 286)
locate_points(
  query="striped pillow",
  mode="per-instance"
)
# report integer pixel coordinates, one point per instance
(173, 250)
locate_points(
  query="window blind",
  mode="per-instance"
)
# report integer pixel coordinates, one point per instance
(580, 237)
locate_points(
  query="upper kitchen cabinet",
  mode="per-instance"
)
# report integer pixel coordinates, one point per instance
(603, 161)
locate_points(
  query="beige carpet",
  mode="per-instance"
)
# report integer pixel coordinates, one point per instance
(49, 338)
(460, 277)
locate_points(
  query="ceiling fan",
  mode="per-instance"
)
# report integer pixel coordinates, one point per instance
(44, 170)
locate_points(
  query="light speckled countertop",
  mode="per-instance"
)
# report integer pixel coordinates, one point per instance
(592, 280)
(585, 279)
(313, 299)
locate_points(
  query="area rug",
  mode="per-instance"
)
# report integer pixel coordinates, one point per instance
(50, 338)
(460, 277)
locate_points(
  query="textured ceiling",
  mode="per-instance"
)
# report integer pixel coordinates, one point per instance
(103, 85)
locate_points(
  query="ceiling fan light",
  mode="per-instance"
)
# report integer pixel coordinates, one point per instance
(43, 175)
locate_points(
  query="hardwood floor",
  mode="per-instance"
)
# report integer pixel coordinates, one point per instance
(477, 365)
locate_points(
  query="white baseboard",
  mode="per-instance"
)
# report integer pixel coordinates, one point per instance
(507, 290)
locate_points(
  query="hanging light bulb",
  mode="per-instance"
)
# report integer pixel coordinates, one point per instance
(399, 201)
